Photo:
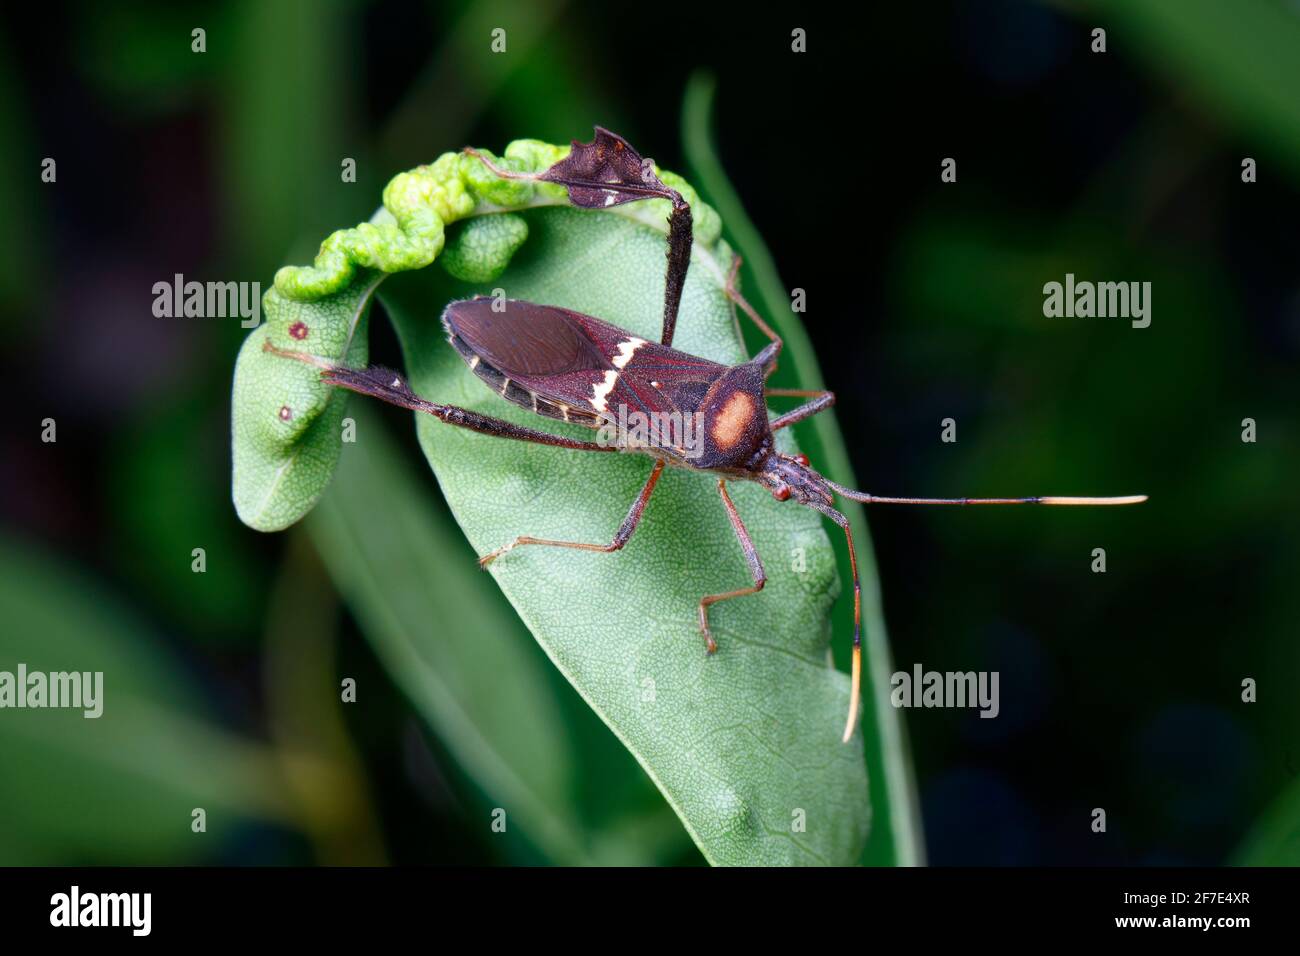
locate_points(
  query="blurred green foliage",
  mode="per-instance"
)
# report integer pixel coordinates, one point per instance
(119, 787)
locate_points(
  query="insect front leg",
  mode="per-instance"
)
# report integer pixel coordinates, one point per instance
(821, 402)
(621, 536)
(751, 558)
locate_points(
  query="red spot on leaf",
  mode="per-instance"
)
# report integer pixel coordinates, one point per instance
(286, 413)
(298, 330)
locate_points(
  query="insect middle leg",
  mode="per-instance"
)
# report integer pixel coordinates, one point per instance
(751, 558)
(621, 536)
(768, 356)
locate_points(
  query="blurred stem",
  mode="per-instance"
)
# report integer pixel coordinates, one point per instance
(303, 703)
(1274, 837)
(900, 808)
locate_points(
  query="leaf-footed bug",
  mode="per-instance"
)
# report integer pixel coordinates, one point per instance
(577, 368)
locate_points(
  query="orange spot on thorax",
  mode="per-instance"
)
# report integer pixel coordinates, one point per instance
(732, 419)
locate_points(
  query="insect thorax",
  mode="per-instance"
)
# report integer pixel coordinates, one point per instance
(736, 432)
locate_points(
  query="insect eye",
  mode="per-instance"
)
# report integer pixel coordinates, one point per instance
(781, 492)
(802, 459)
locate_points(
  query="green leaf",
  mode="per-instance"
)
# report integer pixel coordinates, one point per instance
(120, 787)
(285, 423)
(387, 550)
(744, 744)
(483, 686)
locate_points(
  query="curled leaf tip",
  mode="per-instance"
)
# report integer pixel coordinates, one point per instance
(285, 419)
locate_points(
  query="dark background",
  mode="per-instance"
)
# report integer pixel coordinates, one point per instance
(924, 302)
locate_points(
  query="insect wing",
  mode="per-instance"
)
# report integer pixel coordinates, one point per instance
(653, 393)
(574, 367)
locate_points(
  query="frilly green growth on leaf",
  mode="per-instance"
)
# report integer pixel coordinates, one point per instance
(482, 248)
(286, 424)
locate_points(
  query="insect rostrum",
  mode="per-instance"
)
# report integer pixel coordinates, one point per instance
(578, 368)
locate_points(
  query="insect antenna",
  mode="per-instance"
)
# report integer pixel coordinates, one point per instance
(865, 498)
(1040, 500)
(855, 690)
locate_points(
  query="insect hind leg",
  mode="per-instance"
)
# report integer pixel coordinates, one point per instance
(621, 537)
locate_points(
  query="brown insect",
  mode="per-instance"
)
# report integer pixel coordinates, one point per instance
(697, 414)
